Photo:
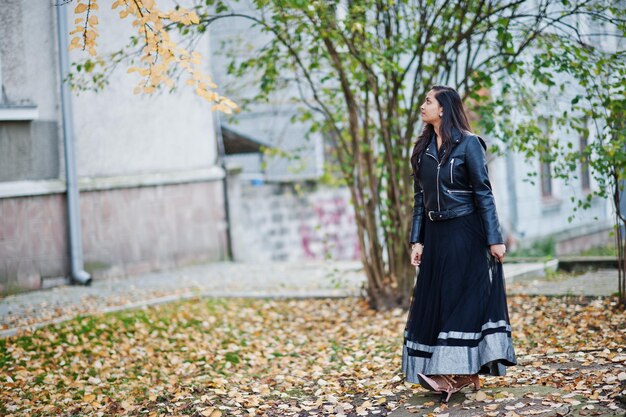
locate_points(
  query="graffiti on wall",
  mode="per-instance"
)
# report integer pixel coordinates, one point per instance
(277, 223)
(330, 233)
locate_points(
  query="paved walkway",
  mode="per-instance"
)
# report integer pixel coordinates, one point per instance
(230, 279)
(219, 279)
(535, 400)
(602, 282)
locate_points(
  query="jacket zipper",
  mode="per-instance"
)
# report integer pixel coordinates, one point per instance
(451, 167)
(438, 202)
(438, 168)
(459, 191)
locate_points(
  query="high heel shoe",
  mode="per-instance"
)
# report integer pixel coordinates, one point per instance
(448, 384)
(443, 384)
(465, 380)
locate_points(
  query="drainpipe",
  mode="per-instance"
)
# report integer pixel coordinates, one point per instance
(77, 271)
(221, 158)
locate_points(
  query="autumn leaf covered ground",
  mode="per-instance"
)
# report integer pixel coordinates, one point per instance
(238, 356)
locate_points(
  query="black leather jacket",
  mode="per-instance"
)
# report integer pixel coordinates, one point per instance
(457, 188)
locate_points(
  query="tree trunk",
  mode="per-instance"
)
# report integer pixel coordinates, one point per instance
(620, 225)
(385, 289)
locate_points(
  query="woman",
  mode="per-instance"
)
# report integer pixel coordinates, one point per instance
(458, 324)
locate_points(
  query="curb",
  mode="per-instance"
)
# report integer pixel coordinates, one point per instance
(532, 271)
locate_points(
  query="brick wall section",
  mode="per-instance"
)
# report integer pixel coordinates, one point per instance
(125, 232)
(33, 241)
(149, 228)
(577, 244)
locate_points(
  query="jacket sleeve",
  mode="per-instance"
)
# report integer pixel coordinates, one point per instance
(417, 226)
(476, 163)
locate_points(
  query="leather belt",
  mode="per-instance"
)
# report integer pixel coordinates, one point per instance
(464, 210)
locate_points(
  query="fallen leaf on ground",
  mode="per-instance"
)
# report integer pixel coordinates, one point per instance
(267, 357)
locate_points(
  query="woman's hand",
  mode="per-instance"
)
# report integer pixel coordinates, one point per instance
(416, 254)
(498, 251)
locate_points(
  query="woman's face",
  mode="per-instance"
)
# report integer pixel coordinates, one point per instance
(431, 109)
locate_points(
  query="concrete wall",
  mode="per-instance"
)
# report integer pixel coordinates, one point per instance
(275, 222)
(134, 230)
(120, 133)
(125, 231)
(33, 241)
(29, 150)
(521, 205)
(269, 122)
(117, 132)
(151, 192)
(29, 76)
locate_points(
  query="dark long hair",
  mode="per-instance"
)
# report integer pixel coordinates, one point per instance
(453, 117)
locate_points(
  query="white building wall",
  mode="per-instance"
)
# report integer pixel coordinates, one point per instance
(120, 133)
(151, 194)
(268, 122)
(521, 205)
(29, 55)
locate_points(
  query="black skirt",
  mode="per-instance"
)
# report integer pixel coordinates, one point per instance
(458, 321)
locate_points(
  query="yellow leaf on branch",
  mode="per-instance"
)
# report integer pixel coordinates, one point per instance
(90, 34)
(159, 54)
(80, 8)
(156, 79)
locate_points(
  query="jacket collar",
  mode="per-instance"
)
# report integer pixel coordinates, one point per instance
(457, 135)
(431, 148)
